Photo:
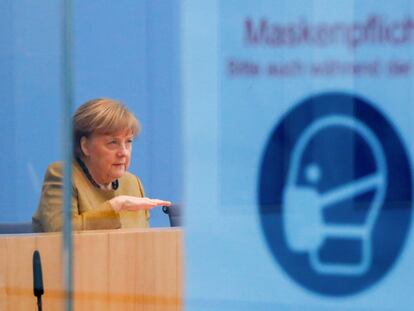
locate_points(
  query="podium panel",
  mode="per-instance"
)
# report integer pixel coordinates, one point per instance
(131, 269)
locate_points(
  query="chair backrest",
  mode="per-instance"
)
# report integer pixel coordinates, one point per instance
(15, 227)
(174, 214)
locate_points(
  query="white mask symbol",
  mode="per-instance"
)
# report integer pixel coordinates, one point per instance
(303, 221)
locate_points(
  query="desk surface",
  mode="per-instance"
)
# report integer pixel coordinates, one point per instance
(127, 269)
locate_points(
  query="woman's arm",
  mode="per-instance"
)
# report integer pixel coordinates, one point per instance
(50, 209)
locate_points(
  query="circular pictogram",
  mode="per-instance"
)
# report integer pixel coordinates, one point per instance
(335, 194)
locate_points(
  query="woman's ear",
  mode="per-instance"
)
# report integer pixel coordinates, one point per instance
(84, 146)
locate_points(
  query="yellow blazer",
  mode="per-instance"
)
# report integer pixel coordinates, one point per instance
(90, 205)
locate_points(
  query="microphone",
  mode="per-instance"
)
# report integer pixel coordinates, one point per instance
(37, 279)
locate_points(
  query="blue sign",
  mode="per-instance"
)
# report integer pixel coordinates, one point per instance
(335, 194)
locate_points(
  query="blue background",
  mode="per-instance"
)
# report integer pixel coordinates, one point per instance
(128, 50)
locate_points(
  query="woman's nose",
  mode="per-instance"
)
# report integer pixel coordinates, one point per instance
(123, 150)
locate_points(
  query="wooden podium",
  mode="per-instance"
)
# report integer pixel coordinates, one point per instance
(127, 269)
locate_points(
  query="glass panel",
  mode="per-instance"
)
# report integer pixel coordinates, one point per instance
(299, 190)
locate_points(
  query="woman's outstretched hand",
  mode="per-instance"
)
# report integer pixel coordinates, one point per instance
(131, 203)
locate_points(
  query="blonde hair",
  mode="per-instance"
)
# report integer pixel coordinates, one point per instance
(104, 116)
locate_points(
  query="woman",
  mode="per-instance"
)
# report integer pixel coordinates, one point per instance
(105, 195)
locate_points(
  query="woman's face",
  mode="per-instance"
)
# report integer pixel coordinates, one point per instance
(107, 156)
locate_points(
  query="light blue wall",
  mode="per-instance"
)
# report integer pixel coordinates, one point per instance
(7, 195)
(122, 49)
(30, 89)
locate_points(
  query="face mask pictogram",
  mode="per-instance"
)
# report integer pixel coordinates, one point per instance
(303, 206)
(336, 194)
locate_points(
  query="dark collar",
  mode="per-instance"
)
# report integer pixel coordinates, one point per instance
(115, 184)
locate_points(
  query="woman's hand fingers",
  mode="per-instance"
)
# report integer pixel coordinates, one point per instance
(130, 203)
(161, 202)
